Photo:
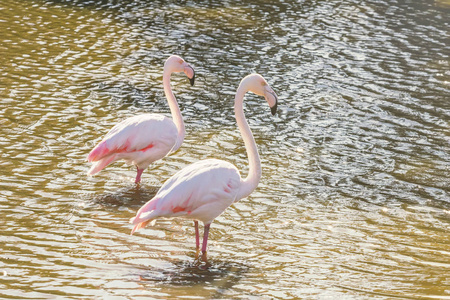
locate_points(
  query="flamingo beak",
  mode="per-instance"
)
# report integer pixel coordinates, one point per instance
(191, 80)
(190, 73)
(273, 109)
(271, 97)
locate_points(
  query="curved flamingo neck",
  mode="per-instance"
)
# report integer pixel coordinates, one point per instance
(174, 110)
(249, 184)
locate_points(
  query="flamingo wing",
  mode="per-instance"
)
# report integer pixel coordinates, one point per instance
(201, 191)
(139, 140)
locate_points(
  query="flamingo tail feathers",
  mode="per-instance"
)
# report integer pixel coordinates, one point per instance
(143, 216)
(100, 151)
(100, 164)
(142, 225)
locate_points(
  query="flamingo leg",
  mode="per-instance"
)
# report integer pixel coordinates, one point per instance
(138, 176)
(197, 237)
(197, 240)
(205, 241)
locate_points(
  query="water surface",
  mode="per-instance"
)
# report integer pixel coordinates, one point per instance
(354, 200)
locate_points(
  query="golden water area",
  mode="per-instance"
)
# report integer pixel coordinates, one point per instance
(354, 199)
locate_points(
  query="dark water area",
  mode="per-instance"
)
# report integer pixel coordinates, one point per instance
(354, 200)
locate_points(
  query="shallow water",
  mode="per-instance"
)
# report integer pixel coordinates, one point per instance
(354, 200)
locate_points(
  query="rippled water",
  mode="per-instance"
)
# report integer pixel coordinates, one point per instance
(354, 201)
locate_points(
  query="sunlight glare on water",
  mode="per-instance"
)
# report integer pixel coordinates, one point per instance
(354, 198)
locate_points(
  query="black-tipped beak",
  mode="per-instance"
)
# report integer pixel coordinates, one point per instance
(192, 80)
(273, 109)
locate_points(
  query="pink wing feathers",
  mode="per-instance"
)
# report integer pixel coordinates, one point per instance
(201, 191)
(139, 140)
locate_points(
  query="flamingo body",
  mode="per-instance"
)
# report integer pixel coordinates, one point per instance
(138, 140)
(200, 191)
(143, 139)
(203, 190)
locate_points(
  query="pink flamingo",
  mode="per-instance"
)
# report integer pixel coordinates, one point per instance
(143, 139)
(203, 190)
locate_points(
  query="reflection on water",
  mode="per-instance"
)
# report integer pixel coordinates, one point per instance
(187, 279)
(133, 196)
(354, 199)
(218, 273)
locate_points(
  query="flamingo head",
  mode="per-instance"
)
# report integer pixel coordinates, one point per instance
(258, 85)
(175, 64)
